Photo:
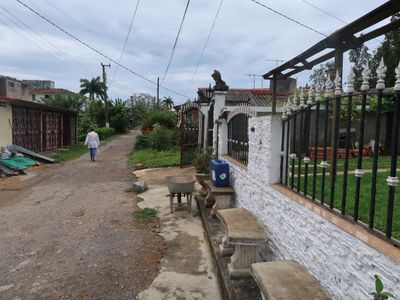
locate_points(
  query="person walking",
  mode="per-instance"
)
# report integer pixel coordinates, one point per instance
(93, 143)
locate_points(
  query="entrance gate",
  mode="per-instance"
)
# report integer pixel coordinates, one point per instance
(191, 133)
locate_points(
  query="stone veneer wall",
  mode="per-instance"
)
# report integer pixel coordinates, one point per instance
(344, 265)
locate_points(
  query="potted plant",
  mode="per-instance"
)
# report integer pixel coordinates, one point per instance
(201, 162)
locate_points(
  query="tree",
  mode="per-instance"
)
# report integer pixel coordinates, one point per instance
(168, 102)
(359, 57)
(390, 51)
(67, 101)
(119, 116)
(94, 87)
(319, 74)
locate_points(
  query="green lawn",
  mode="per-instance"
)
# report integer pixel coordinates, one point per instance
(150, 158)
(75, 151)
(365, 197)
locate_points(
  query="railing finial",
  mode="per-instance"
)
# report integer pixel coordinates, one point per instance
(310, 95)
(328, 85)
(397, 85)
(366, 75)
(302, 104)
(288, 107)
(350, 81)
(317, 92)
(338, 84)
(294, 103)
(381, 72)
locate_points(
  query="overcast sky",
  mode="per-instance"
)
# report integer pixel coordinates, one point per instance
(245, 36)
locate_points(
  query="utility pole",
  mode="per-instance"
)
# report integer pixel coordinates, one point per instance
(254, 79)
(105, 94)
(158, 90)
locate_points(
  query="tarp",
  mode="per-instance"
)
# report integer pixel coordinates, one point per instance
(18, 162)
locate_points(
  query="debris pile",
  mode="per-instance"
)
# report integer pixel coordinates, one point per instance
(15, 160)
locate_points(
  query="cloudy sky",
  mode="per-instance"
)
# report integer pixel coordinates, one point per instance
(246, 36)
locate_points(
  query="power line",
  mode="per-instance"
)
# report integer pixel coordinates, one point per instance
(126, 41)
(205, 46)
(325, 12)
(287, 17)
(176, 41)
(95, 50)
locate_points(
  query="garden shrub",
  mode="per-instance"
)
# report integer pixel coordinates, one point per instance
(142, 142)
(104, 132)
(163, 118)
(162, 138)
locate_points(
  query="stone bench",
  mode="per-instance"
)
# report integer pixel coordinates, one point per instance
(222, 196)
(243, 235)
(287, 280)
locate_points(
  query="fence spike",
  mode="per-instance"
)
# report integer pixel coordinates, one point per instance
(350, 81)
(381, 72)
(310, 95)
(366, 75)
(302, 104)
(328, 85)
(397, 85)
(294, 103)
(338, 84)
(318, 92)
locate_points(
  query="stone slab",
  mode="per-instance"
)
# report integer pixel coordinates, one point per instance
(287, 280)
(242, 226)
(216, 190)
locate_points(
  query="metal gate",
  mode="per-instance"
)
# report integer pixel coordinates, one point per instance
(191, 133)
(51, 125)
(26, 128)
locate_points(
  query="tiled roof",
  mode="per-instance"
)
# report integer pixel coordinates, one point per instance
(31, 104)
(50, 91)
(255, 97)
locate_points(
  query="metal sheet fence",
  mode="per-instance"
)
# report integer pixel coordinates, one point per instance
(326, 158)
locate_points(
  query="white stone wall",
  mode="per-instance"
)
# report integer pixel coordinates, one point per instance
(344, 265)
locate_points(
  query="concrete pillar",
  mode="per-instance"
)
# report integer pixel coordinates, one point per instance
(223, 138)
(219, 104)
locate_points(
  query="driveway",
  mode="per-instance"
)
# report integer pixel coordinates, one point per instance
(67, 232)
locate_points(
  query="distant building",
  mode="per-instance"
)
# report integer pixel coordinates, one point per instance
(13, 88)
(39, 84)
(38, 95)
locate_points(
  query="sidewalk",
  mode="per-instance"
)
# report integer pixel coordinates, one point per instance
(186, 270)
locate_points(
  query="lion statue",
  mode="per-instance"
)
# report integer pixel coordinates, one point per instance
(220, 85)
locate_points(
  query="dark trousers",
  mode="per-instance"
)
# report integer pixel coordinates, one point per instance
(93, 152)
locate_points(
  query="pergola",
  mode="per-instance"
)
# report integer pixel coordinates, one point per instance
(342, 40)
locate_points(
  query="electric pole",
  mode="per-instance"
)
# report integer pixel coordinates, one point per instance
(158, 90)
(254, 78)
(105, 94)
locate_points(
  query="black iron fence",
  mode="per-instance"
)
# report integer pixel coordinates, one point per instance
(238, 139)
(341, 151)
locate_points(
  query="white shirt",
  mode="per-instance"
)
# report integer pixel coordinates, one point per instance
(92, 140)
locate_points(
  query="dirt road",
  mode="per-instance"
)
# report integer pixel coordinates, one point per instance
(67, 232)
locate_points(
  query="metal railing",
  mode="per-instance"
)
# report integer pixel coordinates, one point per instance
(325, 158)
(238, 139)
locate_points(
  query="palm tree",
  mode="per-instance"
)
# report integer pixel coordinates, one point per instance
(94, 87)
(167, 102)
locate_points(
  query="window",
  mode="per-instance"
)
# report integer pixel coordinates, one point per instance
(238, 139)
(11, 87)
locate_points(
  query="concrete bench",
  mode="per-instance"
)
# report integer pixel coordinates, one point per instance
(286, 280)
(222, 196)
(243, 235)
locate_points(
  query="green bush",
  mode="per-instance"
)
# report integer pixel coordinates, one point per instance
(104, 132)
(161, 117)
(142, 142)
(162, 138)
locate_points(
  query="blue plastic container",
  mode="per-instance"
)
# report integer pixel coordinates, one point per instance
(219, 172)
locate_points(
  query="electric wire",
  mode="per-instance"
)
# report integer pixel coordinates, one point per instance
(287, 17)
(324, 11)
(126, 41)
(46, 41)
(204, 47)
(176, 41)
(97, 51)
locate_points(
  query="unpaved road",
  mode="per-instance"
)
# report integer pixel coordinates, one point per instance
(68, 231)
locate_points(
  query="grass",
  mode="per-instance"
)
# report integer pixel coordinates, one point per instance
(145, 215)
(76, 150)
(365, 197)
(150, 158)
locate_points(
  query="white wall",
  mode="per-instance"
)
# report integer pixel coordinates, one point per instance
(5, 127)
(344, 265)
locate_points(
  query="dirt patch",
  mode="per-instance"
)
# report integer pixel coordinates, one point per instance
(68, 231)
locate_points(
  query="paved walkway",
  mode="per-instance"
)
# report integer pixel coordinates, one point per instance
(186, 268)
